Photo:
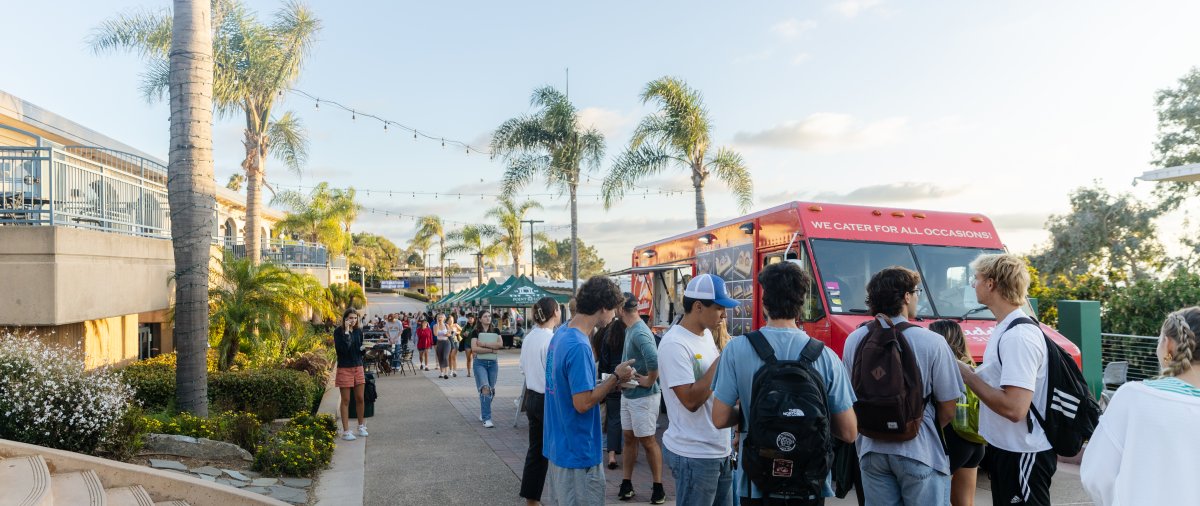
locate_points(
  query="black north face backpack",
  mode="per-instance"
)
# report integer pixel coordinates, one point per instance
(788, 449)
(1070, 414)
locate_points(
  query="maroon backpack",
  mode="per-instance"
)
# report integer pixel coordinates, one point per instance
(887, 380)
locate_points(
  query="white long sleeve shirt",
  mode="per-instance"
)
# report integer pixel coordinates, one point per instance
(533, 358)
(1145, 450)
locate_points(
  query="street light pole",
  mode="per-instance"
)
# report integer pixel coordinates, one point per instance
(532, 269)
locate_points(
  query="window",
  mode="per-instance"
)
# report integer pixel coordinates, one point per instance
(947, 273)
(813, 308)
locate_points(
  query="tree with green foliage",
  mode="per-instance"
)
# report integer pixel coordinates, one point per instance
(1141, 307)
(510, 234)
(254, 303)
(479, 241)
(554, 259)
(550, 143)
(235, 182)
(678, 135)
(1113, 236)
(430, 228)
(319, 217)
(343, 296)
(254, 64)
(1178, 134)
(375, 253)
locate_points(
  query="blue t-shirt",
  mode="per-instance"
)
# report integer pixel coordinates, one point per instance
(735, 378)
(570, 439)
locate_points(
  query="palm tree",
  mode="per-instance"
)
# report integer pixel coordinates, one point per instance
(254, 301)
(430, 227)
(343, 296)
(191, 194)
(508, 216)
(475, 239)
(678, 135)
(255, 63)
(551, 143)
(422, 244)
(317, 217)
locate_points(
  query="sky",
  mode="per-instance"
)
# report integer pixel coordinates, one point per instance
(1000, 108)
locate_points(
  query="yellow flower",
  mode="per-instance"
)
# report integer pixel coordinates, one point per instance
(699, 356)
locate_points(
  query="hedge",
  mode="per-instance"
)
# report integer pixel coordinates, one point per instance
(267, 393)
(417, 296)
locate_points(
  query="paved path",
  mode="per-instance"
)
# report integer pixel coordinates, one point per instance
(384, 303)
(427, 446)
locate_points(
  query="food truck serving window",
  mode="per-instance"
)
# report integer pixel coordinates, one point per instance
(846, 267)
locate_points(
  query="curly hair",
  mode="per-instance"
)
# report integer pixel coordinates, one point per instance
(597, 294)
(784, 288)
(887, 288)
(1181, 327)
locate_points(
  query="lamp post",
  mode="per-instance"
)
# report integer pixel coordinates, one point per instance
(532, 269)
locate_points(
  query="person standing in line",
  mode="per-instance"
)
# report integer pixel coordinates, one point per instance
(1012, 378)
(914, 472)
(455, 343)
(697, 451)
(441, 336)
(350, 378)
(964, 455)
(785, 286)
(572, 438)
(393, 330)
(639, 407)
(533, 366)
(424, 342)
(1144, 450)
(469, 331)
(487, 370)
(610, 342)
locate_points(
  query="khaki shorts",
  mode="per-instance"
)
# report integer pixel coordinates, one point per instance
(640, 415)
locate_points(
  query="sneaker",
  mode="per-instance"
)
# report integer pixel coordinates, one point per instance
(481, 418)
(348, 436)
(658, 495)
(626, 493)
(488, 424)
(455, 374)
(362, 431)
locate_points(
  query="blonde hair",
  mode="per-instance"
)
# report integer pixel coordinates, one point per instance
(1009, 273)
(1181, 327)
(721, 337)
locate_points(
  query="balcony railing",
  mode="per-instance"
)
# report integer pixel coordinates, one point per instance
(84, 187)
(291, 253)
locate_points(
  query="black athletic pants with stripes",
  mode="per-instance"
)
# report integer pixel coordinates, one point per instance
(533, 477)
(1021, 478)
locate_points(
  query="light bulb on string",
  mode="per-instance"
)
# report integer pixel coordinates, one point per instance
(414, 135)
(443, 142)
(353, 116)
(384, 126)
(318, 104)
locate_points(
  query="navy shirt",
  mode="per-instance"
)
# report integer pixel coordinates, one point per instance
(570, 439)
(348, 347)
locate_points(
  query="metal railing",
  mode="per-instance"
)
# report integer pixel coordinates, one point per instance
(83, 187)
(1139, 351)
(292, 253)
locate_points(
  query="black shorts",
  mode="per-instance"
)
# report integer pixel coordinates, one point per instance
(1021, 478)
(962, 453)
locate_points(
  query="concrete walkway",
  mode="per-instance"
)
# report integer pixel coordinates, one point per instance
(427, 446)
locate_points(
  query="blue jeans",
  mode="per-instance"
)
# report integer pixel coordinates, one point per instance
(485, 376)
(701, 482)
(396, 356)
(892, 479)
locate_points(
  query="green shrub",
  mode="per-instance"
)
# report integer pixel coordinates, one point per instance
(418, 296)
(49, 398)
(153, 383)
(242, 429)
(125, 440)
(268, 393)
(302, 448)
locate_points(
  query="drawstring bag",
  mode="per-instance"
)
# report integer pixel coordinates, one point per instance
(966, 418)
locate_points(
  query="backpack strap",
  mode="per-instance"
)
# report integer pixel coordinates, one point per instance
(813, 350)
(761, 346)
(1025, 320)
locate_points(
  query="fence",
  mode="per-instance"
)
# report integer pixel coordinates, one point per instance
(292, 253)
(1139, 351)
(84, 187)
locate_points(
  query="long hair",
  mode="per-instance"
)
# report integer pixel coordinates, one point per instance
(614, 337)
(358, 324)
(1181, 327)
(721, 337)
(953, 333)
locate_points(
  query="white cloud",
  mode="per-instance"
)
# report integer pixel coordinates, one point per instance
(791, 27)
(852, 8)
(800, 58)
(609, 122)
(827, 132)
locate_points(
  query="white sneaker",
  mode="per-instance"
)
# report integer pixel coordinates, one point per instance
(362, 431)
(348, 436)
(488, 424)
(481, 418)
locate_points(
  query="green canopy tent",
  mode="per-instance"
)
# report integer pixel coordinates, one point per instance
(469, 297)
(521, 293)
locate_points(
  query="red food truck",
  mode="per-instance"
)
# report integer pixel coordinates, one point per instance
(842, 246)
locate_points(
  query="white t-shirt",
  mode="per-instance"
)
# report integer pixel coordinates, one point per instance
(533, 358)
(1025, 363)
(393, 329)
(681, 356)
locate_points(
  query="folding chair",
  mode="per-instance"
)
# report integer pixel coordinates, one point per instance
(1115, 375)
(406, 357)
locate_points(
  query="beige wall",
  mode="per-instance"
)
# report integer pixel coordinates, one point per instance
(52, 276)
(105, 341)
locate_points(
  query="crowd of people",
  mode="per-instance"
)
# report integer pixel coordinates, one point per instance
(759, 418)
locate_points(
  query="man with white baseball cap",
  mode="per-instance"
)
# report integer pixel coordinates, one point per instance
(697, 451)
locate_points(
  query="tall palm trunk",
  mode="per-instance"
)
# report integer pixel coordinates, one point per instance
(442, 264)
(479, 269)
(253, 164)
(191, 195)
(698, 184)
(574, 236)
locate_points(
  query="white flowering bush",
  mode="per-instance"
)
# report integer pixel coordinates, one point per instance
(48, 398)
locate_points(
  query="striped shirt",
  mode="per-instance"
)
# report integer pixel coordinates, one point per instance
(1174, 385)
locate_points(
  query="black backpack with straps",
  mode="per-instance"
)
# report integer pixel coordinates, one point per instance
(1070, 414)
(788, 449)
